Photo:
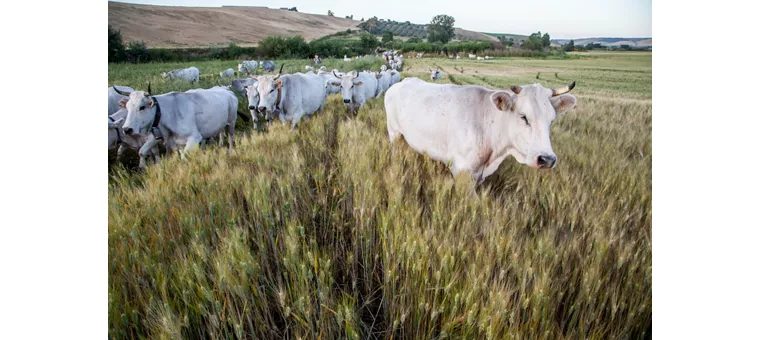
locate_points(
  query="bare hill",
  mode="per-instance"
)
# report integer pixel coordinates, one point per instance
(174, 26)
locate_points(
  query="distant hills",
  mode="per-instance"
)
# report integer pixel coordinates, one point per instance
(180, 26)
(637, 42)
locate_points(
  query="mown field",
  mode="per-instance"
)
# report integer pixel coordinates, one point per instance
(320, 233)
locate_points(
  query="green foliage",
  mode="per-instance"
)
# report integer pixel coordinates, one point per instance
(536, 42)
(570, 46)
(414, 40)
(441, 29)
(369, 40)
(116, 51)
(277, 47)
(137, 52)
(387, 36)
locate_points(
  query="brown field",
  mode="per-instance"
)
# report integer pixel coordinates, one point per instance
(174, 26)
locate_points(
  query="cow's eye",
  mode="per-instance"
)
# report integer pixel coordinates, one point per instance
(271, 91)
(525, 119)
(142, 108)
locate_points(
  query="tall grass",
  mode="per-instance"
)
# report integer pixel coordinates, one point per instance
(329, 232)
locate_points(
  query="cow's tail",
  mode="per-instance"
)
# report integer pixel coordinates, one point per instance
(246, 117)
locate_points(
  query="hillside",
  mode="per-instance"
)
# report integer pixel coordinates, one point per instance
(174, 26)
(637, 42)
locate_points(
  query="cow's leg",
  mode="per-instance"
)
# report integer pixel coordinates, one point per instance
(296, 119)
(192, 144)
(155, 151)
(120, 152)
(230, 137)
(145, 149)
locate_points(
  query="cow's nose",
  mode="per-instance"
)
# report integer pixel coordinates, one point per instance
(346, 101)
(128, 131)
(262, 108)
(251, 107)
(546, 161)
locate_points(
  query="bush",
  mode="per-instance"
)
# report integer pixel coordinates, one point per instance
(414, 40)
(115, 46)
(137, 52)
(369, 41)
(387, 36)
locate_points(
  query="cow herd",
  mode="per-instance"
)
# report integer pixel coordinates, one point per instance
(470, 127)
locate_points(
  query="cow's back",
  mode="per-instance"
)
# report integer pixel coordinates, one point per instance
(305, 93)
(434, 118)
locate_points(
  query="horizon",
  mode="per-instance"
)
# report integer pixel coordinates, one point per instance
(629, 19)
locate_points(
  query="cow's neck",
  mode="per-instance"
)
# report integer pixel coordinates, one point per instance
(498, 130)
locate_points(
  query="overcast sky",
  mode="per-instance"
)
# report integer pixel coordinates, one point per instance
(560, 18)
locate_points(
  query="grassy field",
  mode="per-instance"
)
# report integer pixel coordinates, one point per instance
(321, 234)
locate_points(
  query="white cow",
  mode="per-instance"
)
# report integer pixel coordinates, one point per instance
(329, 79)
(383, 82)
(293, 95)
(248, 67)
(383, 68)
(435, 74)
(185, 116)
(322, 69)
(346, 58)
(117, 136)
(480, 58)
(227, 73)
(114, 98)
(356, 88)
(190, 74)
(309, 68)
(476, 128)
(395, 77)
(457, 57)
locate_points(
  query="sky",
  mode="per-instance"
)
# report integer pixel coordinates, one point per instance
(560, 18)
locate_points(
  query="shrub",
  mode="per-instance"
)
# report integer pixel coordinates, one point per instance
(137, 52)
(115, 46)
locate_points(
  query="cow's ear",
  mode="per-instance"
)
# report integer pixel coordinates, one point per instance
(123, 102)
(335, 83)
(151, 102)
(563, 103)
(502, 100)
(378, 76)
(278, 83)
(359, 83)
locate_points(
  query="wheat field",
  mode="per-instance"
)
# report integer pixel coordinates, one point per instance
(325, 232)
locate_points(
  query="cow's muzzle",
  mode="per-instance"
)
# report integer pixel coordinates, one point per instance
(546, 161)
(346, 101)
(262, 109)
(129, 131)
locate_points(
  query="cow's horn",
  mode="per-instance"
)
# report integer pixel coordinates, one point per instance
(563, 90)
(120, 92)
(355, 74)
(516, 89)
(149, 91)
(336, 76)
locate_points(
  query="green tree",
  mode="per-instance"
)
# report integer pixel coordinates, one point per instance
(137, 51)
(369, 41)
(115, 45)
(570, 46)
(387, 36)
(546, 41)
(414, 40)
(330, 13)
(441, 28)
